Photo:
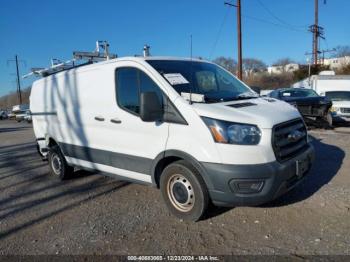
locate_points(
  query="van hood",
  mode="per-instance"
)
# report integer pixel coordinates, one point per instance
(263, 112)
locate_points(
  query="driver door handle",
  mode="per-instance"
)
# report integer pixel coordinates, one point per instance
(116, 120)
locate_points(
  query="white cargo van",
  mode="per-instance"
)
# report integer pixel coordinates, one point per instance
(186, 126)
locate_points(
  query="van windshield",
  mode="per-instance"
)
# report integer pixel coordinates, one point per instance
(338, 95)
(203, 78)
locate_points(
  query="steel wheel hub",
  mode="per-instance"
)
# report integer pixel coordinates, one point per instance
(56, 164)
(180, 193)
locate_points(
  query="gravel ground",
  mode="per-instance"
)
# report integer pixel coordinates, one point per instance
(93, 214)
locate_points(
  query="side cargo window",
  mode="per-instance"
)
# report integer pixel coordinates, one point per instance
(130, 82)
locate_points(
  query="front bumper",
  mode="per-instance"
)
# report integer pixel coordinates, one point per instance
(340, 117)
(276, 179)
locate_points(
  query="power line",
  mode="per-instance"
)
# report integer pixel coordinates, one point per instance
(326, 42)
(219, 34)
(273, 23)
(251, 18)
(277, 18)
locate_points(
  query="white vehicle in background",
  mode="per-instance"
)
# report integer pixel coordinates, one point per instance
(341, 104)
(11, 115)
(20, 116)
(28, 116)
(20, 111)
(186, 126)
(336, 88)
(20, 108)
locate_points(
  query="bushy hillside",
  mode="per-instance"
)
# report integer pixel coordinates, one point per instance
(11, 99)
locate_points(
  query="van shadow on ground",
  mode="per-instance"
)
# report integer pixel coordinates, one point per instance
(30, 195)
(328, 161)
(14, 129)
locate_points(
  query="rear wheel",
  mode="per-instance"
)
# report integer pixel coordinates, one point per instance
(58, 164)
(184, 191)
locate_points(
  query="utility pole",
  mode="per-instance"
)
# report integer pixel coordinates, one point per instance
(239, 37)
(19, 94)
(18, 82)
(317, 32)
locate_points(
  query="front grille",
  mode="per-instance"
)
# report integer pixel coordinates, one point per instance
(284, 147)
(311, 110)
(345, 110)
(305, 110)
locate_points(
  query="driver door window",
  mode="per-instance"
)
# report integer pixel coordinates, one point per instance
(130, 82)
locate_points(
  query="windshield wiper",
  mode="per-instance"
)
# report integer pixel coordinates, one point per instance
(242, 96)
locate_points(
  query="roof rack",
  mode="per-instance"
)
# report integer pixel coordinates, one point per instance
(101, 53)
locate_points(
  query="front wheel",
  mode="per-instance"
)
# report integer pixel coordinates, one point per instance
(184, 191)
(58, 164)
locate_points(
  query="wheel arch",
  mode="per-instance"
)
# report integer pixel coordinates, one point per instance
(170, 156)
(50, 141)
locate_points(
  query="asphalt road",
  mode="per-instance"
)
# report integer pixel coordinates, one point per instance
(93, 214)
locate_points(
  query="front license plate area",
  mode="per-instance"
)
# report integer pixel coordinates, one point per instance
(301, 167)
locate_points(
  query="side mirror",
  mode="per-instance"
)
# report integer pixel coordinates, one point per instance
(150, 108)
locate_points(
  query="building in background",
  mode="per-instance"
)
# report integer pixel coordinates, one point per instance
(337, 62)
(279, 69)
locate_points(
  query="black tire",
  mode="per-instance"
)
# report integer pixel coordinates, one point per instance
(184, 191)
(58, 165)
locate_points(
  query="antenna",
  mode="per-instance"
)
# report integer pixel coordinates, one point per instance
(191, 86)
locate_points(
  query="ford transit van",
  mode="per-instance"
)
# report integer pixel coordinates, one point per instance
(185, 126)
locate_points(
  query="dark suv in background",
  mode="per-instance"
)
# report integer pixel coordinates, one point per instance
(315, 109)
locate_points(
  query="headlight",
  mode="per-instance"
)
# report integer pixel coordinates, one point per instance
(334, 109)
(233, 133)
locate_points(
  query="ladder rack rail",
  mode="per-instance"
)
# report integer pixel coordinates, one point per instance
(59, 66)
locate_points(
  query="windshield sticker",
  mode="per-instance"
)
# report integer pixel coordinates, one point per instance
(199, 98)
(176, 79)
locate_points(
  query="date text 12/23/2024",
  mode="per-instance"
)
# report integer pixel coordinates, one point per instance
(173, 258)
